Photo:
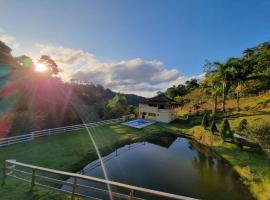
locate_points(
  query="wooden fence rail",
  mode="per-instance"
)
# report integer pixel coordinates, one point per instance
(36, 176)
(46, 132)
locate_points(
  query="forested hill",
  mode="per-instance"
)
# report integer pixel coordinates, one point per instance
(30, 100)
(226, 83)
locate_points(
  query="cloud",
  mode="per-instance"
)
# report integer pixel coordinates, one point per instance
(9, 40)
(128, 76)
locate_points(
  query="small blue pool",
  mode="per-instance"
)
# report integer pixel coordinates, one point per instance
(138, 123)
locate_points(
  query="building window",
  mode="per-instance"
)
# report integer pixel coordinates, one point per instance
(152, 114)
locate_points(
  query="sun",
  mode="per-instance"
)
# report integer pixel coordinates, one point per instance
(41, 67)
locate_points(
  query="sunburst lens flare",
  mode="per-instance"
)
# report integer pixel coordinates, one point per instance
(41, 67)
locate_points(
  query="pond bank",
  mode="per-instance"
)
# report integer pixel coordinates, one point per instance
(252, 167)
(185, 168)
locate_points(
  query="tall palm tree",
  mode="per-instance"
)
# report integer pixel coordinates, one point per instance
(248, 53)
(239, 74)
(212, 85)
(223, 75)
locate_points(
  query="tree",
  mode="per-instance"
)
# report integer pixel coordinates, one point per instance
(117, 107)
(50, 63)
(171, 92)
(223, 75)
(213, 127)
(225, 130)
(242, 125)
(239, 74)
(212, 85)
(25, 62)
(5, 55)
(192, 84)
(205, 122)
(248, 53)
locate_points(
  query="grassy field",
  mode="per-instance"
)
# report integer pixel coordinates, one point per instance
(252, 166)
(70, 152)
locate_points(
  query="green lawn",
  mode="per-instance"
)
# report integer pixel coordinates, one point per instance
(70, 152)
(253, 167)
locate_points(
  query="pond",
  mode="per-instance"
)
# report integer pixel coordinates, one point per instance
(173, 165)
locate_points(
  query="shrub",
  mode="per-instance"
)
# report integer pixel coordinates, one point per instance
(225, 130)
(242, 125)
(261, 134)
(213, 127)
(205, 122)
(247, 108)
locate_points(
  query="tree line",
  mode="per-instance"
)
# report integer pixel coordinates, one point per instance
(42, 100)
(231, 79)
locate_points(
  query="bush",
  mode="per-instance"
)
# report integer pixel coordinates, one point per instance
(242, 125)
(205, 122)
(261, 134)
(247, 108)
(213, 127)
(225, 130)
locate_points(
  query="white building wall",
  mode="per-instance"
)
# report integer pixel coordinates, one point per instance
(162, 115)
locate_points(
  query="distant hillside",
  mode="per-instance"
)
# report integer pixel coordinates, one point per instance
(31, 101)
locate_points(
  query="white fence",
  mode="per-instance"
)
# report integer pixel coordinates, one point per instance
(46, 132)
(44, 177)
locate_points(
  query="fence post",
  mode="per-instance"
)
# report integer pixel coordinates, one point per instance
(131, 194)
(33, 180)
(4, 174)
(74, 188)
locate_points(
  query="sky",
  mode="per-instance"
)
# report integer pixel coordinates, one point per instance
(133, 46)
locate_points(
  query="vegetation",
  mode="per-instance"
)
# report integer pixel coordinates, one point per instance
(236, 91)
(233, 79)
(252, 165)
(205, 122)
(225, 130)
(261, 134)
(213, 127)
(33, 101)
(70, 152)
(242, 125)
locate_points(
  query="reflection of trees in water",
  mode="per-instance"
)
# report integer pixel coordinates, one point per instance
(214, 176)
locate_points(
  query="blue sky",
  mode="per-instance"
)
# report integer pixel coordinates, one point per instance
(180, 34)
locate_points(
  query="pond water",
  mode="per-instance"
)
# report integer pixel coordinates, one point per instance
(173, 165)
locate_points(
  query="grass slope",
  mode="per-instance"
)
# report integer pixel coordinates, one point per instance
(252, 166)
(70, 152)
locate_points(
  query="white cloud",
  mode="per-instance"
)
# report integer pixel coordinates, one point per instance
(9, 40)
(128, 76)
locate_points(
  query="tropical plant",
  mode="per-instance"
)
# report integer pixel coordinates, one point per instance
(205, 122)
(213, 127)
(225, 130)
(212, 86)
(242, 125)
(223, 75)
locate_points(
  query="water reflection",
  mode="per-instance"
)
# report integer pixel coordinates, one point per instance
(173, 165)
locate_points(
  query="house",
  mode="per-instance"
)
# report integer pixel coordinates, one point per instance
(159, 108)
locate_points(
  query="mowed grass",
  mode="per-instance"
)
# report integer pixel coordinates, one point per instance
(70, 152)
(252, 166)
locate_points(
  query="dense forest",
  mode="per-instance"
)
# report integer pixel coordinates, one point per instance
(30, 100)
(235, 78)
